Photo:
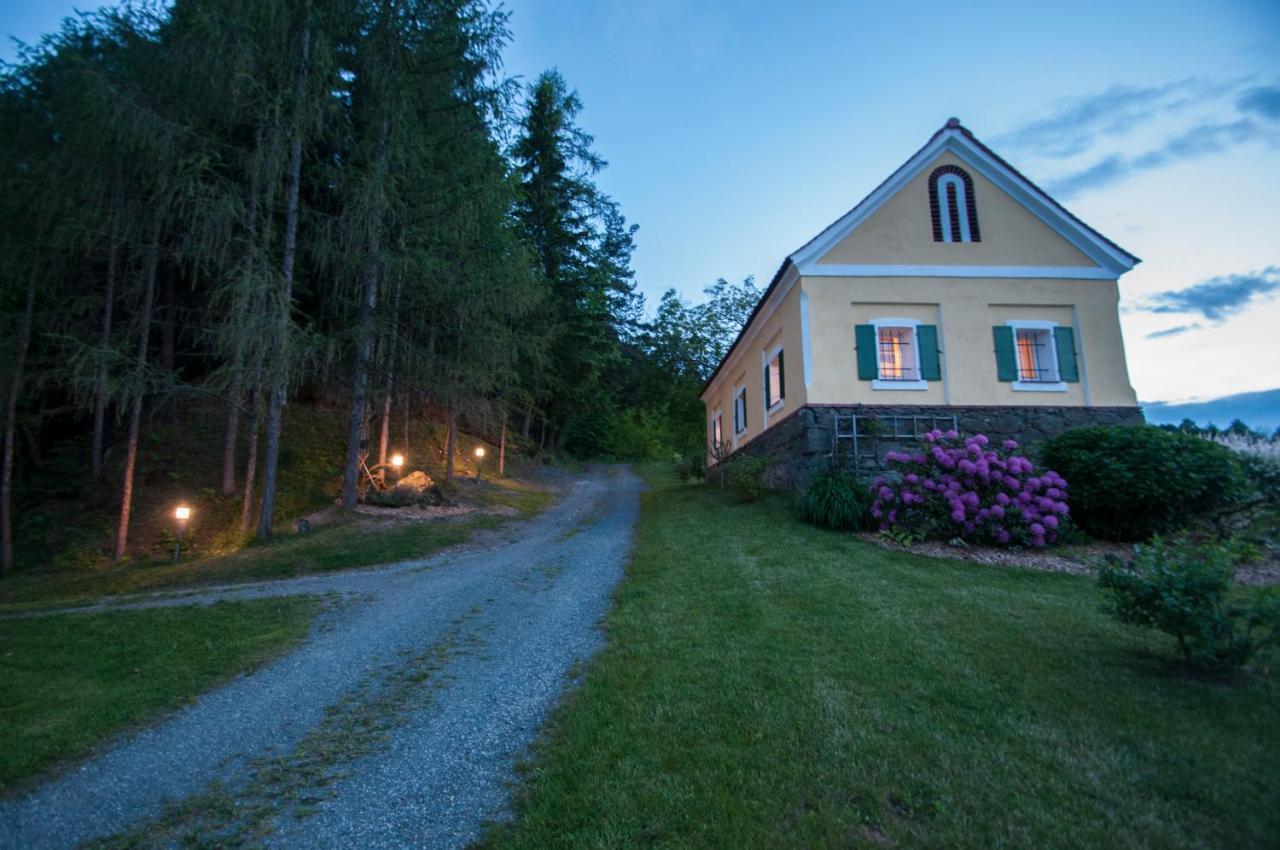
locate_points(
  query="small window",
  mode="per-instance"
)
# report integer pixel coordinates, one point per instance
(897, 354)
(775, 386)
(1036, 361)
(1036, 356)
(740, 411)
(952, 206)
(717, 431)
(897, 350)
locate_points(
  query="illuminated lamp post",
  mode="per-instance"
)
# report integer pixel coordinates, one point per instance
(479, 461)
(182, 513)
(397, 463)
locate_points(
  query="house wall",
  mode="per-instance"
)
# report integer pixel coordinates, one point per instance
(901, 231)
(965, 310)
(778, 323)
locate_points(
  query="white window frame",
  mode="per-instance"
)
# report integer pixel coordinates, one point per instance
(899, 322)
(768, 355)
(1058, 386)
(738, 397)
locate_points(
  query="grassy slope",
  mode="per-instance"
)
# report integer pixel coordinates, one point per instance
(70, 680)
(769, 684)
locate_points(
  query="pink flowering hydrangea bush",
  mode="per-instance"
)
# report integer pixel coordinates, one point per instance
(971, 490)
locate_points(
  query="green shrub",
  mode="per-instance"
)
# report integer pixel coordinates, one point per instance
(746, 476)
(1129, 483)
(835, 500)
(1182, 589)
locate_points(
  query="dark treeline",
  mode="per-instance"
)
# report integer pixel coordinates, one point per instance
(223, 203)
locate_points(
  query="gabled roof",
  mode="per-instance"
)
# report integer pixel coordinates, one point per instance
(957, 139)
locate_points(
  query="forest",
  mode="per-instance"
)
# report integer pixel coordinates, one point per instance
(217, 214)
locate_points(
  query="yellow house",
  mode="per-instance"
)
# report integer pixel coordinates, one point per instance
(956, 294)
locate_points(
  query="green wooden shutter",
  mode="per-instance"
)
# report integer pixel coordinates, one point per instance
(864, 338)
(930, 361)
(1006, 362)
(768, 385)
(782, 377)
(1068, 368)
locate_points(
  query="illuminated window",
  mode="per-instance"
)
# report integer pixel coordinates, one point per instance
(1036, 356)
(717, 431)
(952, 206)
(1036, 363)
(897, 349)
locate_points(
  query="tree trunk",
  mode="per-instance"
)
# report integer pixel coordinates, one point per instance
(406, 422)
(502, 447)
(450, 445)
(104, 343)
(11, 426)
(360, 381)
(527, 425)
(237, 378)
(280, 378)
(232, 434)
(384, 436)
(140, 375)
(250, 470)
(542, 437)
(390, 347)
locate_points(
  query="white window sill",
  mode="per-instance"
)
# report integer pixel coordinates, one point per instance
(776, 407)
(1039, 387)
(878, 384)
(737, 434)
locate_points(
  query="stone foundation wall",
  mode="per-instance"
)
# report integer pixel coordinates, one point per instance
(802, 444)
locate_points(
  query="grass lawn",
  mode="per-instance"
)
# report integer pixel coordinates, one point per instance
(767, 684)
(70, 680)
(347, 543)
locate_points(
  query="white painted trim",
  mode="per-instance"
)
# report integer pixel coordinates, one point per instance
(1055, 272)
(942, 357)
(764, 400)
(1058, 386)
(805, 345)
(768, 355)
(956, 142)
(898, 322)
(879, 384)
(738, 391)
(1080, 364)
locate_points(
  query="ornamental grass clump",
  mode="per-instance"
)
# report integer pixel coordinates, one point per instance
(970, 490)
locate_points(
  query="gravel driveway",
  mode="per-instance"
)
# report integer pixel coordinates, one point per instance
(395, 725)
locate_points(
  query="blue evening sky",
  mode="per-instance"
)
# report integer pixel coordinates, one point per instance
(736, 131)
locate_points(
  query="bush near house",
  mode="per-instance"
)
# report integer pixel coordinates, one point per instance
(746, 476)
(970, 490)
(837, 501)
(1182, 589)
(1130, 483)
